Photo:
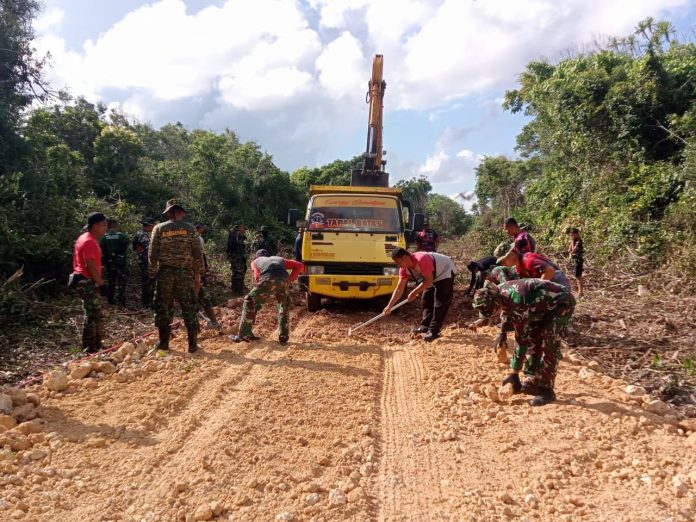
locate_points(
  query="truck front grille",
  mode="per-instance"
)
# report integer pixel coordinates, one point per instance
(353, 269)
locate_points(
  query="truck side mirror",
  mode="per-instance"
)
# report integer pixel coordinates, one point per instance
(301, 223)
(293, 216)
(418, 220)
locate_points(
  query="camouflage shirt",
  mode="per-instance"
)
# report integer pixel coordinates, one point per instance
(141, 244)
(175, 244)
(266, 244)
(526, 300)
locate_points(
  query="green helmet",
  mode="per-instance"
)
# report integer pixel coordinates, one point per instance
(486, 299)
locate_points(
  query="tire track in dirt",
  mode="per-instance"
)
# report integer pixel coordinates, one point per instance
(409, 478)
(196, 436)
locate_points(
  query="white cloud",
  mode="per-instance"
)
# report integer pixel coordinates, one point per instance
(440, 167)
(262, 68)
(51, 20)
(341, 66)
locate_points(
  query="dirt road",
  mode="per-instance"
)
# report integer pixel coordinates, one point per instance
(379, 426)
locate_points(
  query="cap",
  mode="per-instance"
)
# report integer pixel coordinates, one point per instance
(485, 299)
(94, 218)
(172, 204)
(147, 221)
(262, 253)
(502, 249)
(511, 221)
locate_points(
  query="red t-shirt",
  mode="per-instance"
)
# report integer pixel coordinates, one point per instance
(290, 264)
(424, 265)
(534, 265)
(86, 247)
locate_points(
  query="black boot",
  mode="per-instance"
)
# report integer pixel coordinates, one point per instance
(545, 396)
(192, 340)
(513, 379)
(529, 388)
(163, 343)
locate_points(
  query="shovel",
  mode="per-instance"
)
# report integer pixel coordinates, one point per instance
(370, 321)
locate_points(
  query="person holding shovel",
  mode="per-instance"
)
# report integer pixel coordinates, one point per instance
(435, 276)
(271, 279)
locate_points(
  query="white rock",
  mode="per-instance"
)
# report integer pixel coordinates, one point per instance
(531, 499)
(55, 380)
(367, 469)
(635, 391)
(657, 407)
(367, 430)
(585, 374)
(286, 516)
(5, 404)
(505, 392)
(81, 371)
(312, 499)
(203, 512)
(680, 485)
(337, 497)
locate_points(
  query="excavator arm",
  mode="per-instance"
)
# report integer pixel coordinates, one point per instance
(373, 174)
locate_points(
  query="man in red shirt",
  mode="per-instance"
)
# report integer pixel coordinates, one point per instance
(87, 278)
(540, 267)
(435, 276)
(427, 239)
(270, 274)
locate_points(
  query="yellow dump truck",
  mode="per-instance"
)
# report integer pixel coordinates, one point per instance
(349, 234)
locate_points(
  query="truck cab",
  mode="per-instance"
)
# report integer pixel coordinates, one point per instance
(349, 235)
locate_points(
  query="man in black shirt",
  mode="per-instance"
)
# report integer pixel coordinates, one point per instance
(576, 250)
(478, 271)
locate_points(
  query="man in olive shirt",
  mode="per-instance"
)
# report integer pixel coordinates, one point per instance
(176, 262)
(114, 246)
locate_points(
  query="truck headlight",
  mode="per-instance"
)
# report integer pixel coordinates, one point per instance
(315, 269)
(391, 270)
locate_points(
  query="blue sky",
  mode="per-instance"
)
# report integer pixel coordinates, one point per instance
(292, 74)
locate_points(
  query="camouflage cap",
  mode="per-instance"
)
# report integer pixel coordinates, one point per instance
(502, 249)
(172, 204)
(486, 299)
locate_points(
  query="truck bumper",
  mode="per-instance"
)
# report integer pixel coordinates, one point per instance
(349, 287)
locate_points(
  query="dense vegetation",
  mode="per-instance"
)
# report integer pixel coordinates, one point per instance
(610, 148)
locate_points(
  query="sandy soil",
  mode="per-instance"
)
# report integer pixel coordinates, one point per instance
(378, 426)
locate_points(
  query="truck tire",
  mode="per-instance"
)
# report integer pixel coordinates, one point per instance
(313, 302)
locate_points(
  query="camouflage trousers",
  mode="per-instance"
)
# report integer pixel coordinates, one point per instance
(239, 268)
(93, 328)
(117, 275)
(146, 285)
(260, 295)
(538, 349)
(175, 284)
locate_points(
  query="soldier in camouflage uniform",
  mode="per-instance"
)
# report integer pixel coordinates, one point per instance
(114, 245)
(272, 281)
(141, 245)
(205, 300)
(539, 312)
(176, 263)
(263, 241)
(236, 253)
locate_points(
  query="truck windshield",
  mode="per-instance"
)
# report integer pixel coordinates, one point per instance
(354, 213)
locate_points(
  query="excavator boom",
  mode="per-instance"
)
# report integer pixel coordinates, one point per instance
(372, 173)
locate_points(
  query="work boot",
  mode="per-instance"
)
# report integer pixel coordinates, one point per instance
(419, 329)
(283, 339)
(513, 379)
(211, 319)
(546, 396)
(243, 338)
(529, 388)
(163, 343)
(192, 340)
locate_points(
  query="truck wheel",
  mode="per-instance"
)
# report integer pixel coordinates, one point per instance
(313, 302)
